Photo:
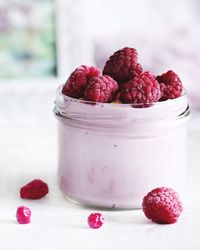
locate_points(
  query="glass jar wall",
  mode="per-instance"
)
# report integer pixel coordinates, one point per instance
(111, 155)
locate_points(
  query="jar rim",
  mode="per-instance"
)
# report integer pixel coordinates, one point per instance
(81, 110)
(119, 105)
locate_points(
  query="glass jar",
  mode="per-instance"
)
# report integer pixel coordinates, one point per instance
(110, 155)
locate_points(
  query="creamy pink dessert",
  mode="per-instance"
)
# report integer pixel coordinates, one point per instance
(111, 155)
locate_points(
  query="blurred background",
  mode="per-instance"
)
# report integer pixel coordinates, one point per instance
(41, 42)
(27, 39)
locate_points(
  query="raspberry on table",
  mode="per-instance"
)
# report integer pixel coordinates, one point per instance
(101, 89)
(23, 215)
(35, 189)
(143, 89)
(170, 85)
(162, 205)
(122, 65)
(78, 80)
(95, 220)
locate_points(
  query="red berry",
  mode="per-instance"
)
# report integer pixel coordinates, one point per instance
(101, 89)
(142, 89)
(35, 189)
(122, 65)
(162, 205)
(78, 80)
(23, 215)
(170, 85)
(95, 220)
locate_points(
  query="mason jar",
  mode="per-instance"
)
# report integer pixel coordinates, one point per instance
(110, 155)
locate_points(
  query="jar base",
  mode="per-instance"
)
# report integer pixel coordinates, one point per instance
(89, 205)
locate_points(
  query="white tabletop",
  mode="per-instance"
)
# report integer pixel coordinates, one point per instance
(28, 145)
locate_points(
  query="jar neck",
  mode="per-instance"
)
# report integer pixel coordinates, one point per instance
(120, 116)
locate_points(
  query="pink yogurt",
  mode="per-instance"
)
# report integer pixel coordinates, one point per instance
(111, 155)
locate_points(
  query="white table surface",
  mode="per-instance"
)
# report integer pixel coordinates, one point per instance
(28, 150)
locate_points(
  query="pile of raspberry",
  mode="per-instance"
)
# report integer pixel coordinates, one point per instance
(122, 80)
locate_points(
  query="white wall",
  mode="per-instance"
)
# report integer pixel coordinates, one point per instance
(105, 17)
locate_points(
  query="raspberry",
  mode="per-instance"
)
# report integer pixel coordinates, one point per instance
(122, 65)
(170, 85)
(78, 80)
(101, 89)
(142, 89)
(23, 215)
(162, 205)
(35, 189)
(95, 220)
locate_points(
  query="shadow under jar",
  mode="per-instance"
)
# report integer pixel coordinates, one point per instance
(110, 155)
